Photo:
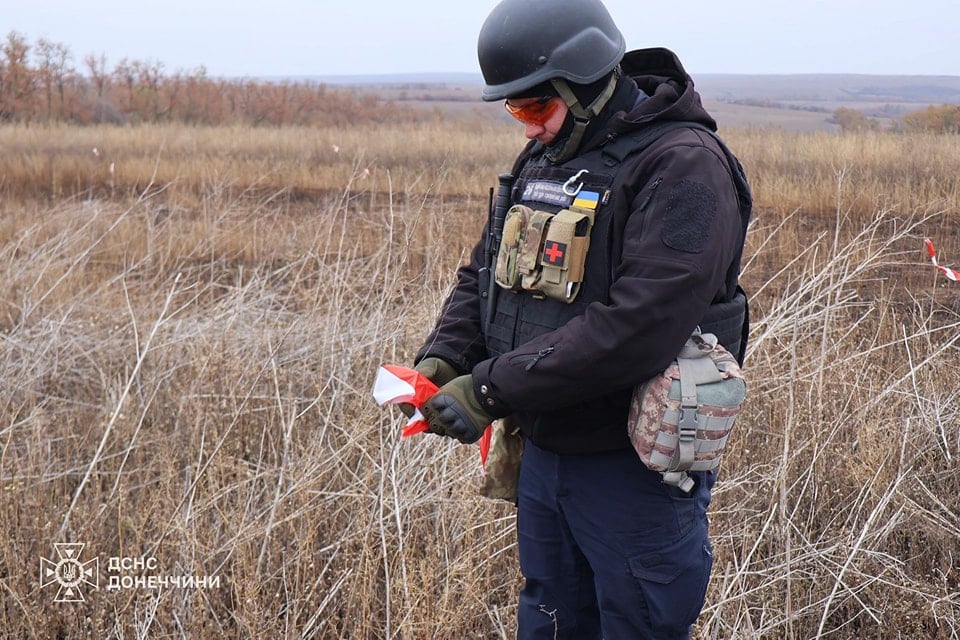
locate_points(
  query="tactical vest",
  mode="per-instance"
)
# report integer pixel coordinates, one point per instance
(585, 184)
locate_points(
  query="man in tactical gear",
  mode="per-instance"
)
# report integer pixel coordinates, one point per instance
(620, 232)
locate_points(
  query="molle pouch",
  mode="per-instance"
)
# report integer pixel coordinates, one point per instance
(528, 264)
(564, 254)
(681, 420)
(502, 471)
(514, 226)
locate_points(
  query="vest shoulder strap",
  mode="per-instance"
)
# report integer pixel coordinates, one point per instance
(619, 149)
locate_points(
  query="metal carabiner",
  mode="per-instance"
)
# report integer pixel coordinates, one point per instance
(568, 184)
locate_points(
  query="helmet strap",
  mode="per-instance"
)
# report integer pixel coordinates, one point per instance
(581, 115)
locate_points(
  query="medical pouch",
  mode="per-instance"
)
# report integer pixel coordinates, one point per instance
(514, 228)
(681, 420)
(528, 264)
(564, 254)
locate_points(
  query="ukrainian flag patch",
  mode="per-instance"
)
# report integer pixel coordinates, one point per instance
(587, 200)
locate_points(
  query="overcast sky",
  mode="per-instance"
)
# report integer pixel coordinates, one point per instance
(344, 37)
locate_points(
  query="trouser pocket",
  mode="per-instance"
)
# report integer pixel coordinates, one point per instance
(674, 581)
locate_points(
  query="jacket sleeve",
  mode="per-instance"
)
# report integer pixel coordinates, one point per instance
(676, 249)
(457, 336)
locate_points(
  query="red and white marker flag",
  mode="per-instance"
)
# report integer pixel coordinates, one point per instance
(401, 385)
(398, 385)
(950, 273)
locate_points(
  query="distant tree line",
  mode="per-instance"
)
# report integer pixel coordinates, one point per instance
(943, 119)
(934, 119)
(41, 82)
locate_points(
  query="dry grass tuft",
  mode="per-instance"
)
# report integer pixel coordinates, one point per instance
(187, 367)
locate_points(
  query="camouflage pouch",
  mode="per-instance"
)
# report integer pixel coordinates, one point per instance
(544, 252)
(508, 254)
(502, 471)
(681, 420)
(529, 262)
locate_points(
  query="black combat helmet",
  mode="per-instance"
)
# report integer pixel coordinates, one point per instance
(526, 42)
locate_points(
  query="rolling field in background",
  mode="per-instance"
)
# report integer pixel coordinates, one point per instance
(191, 319)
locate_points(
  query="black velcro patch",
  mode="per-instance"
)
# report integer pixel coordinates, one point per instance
(689, 214)
(554, 253)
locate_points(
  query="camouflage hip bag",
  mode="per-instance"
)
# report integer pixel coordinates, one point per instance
(681, 419)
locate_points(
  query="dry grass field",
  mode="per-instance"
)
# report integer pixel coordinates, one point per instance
(191, 320)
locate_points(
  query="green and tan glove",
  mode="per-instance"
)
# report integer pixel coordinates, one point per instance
(455, 412)
(438, 371)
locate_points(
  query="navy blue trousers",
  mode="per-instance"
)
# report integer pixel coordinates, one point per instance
(607, 550)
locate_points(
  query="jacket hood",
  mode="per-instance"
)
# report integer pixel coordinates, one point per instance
(670, 90)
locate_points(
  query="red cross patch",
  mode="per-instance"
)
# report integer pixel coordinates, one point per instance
(554, 253)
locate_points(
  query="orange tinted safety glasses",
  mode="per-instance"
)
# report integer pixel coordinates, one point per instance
(536, 112)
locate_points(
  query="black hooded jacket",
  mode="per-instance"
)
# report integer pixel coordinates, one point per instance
(667, 230)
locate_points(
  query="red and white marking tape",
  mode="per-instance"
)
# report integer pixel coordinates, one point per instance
(395, 384)
(950, 273)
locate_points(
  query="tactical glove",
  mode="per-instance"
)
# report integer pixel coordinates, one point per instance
(438, 371)
(455, 412)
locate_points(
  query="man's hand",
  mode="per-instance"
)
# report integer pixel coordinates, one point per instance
(438, 371)
(455, 412)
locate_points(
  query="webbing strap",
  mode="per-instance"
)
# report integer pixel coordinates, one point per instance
(667, 442)
(705, 424)
(619, 148)
(581, 114)
(698, 465)
(679, 479)
(705, 465)
(688, 415)
(692, 372)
